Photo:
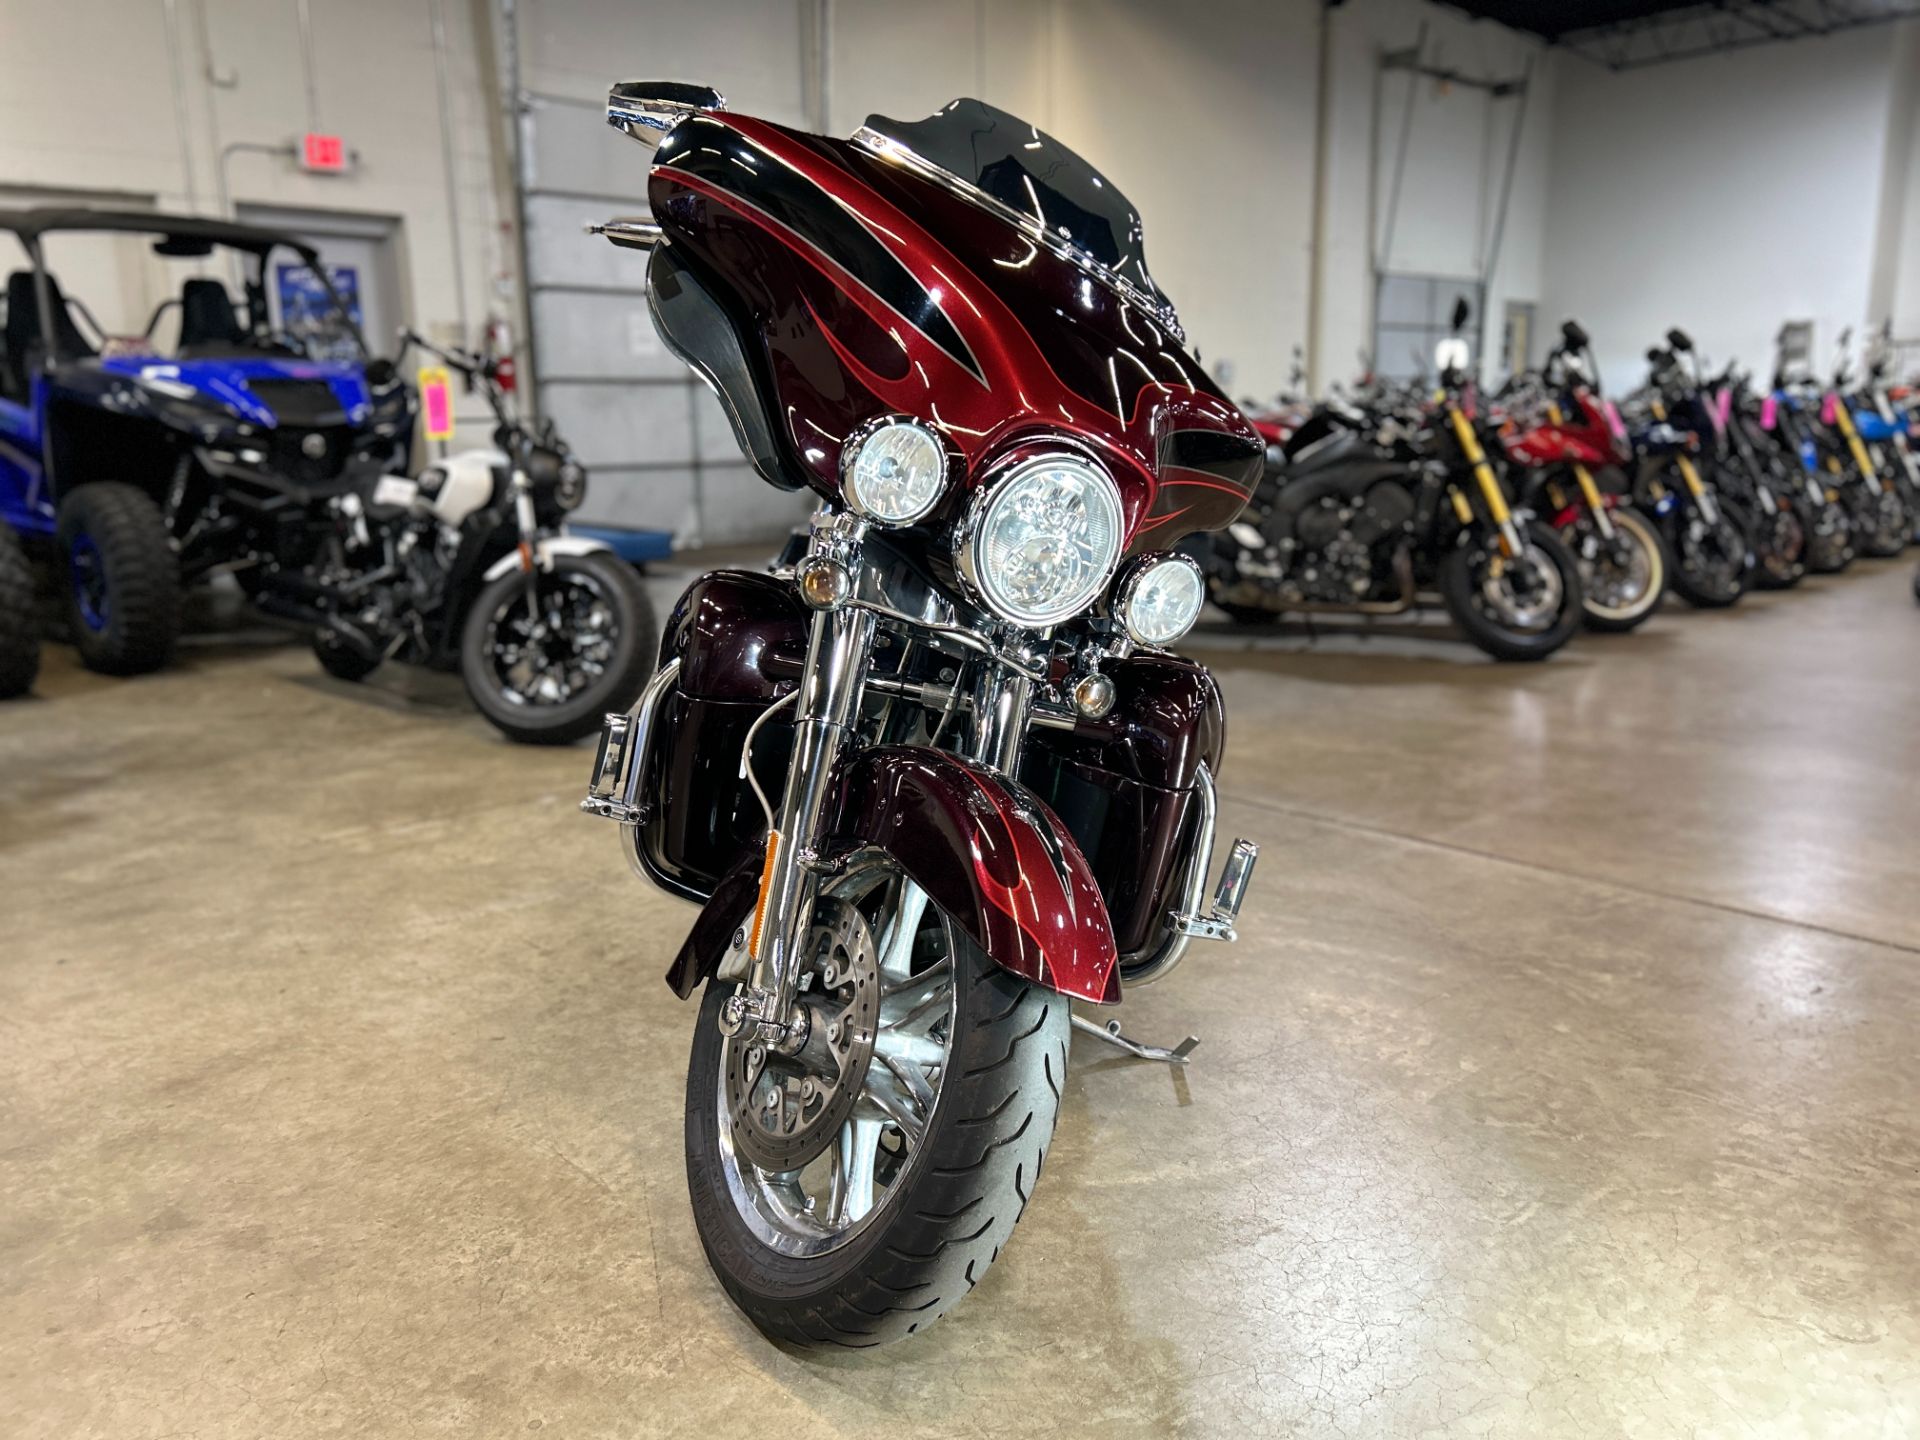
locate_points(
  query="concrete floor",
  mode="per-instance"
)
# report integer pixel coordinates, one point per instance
(1563, 1082)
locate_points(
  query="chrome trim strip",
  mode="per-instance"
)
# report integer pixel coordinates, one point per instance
(890, 149)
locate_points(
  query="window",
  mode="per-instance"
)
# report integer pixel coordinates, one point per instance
(1412, 314)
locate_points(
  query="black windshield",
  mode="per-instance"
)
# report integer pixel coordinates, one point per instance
(1023, 167)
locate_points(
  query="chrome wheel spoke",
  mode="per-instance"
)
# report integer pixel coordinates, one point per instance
(903, 928)
(877, 1136)
(859, 1146)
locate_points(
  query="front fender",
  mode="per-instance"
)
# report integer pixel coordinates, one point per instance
(991, 855)
(544, 549)
(987, 852)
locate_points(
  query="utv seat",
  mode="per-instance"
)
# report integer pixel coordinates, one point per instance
(208, 322)
(26, 342)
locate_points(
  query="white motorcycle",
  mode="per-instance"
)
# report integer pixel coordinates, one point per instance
(469, 566)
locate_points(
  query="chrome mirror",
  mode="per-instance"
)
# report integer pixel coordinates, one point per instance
(647, 109)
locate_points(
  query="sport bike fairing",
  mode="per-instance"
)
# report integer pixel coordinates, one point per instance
(845, 306)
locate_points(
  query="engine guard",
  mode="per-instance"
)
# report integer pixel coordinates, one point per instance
(989, 854)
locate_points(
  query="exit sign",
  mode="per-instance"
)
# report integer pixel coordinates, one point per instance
(326, 154)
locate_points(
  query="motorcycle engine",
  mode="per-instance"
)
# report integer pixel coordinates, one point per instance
(1338, 536)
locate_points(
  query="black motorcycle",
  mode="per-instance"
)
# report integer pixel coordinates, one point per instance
(467, 567)
(1706, 535)
(1367, 510)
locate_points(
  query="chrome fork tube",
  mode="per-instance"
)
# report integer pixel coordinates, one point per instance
(1002, 699)
(838, 653)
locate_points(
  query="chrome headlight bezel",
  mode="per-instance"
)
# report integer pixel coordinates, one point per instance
(973, 532)
(1138, 573)
(856, 444)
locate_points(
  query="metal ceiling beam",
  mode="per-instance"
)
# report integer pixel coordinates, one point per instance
(1691, 31)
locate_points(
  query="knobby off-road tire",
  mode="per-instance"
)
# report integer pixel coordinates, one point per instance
(932, 1236)
(19, 629)
(122, 581)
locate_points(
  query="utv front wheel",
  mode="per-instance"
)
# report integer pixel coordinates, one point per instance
(19, 635)
(123, 582)
(852, 1194)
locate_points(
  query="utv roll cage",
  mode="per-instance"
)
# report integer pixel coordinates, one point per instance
(181, 236)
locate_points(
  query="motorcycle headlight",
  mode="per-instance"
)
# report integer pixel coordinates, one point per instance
(571, 488)
(1039, 546)
(893, 471)
(1159, 598)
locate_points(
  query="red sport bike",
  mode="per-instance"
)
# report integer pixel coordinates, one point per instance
(941, 777)
(1575, 436)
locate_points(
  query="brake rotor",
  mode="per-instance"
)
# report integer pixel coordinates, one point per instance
(786, 1109)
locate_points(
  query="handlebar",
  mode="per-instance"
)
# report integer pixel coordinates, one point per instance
(465, 361)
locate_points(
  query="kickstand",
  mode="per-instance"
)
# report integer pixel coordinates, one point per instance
(1110, 1032)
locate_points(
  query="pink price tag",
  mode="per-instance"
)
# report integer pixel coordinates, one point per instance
(1829, 409)
(436, 403)
(1769, 412)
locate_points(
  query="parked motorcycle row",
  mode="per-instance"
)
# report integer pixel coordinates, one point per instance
(1547, 505)
(138, 469)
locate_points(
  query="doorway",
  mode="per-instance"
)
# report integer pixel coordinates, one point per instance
(362, 253)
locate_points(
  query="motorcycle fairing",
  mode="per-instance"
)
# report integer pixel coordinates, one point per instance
(991, 856)
(859, 310)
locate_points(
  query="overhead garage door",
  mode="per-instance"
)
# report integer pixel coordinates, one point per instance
(655, 438)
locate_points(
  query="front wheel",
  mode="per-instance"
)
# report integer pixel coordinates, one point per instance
(19, 635)
(1520, 609)
(1880, 523)
(852, 1194)
(545, 667)
(1709, 558)
(1621, 579)
(1779, 547)
(1829, 539)
(123, 580)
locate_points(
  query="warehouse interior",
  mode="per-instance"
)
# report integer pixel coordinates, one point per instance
(1560, 1079)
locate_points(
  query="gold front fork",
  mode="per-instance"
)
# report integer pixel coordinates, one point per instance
(1690, 473)
(1856, 446)
(1491, 494)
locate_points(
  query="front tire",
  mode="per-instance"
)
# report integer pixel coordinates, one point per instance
(548, 679)
(123, 582)
(1880, 523)
(1513, 612)
(1709, 560)
(1779, 548)
(1620, 592)
(19, 633)
(806, 1274)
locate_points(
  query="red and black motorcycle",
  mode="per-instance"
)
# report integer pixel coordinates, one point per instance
(1556, 456)
(943, 778)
